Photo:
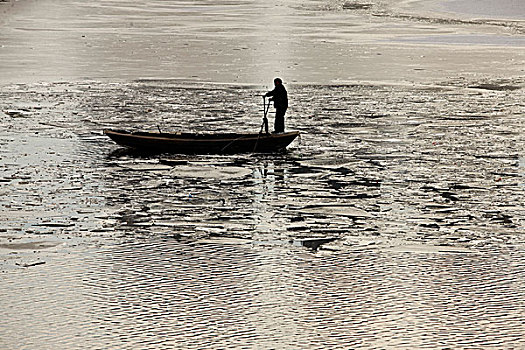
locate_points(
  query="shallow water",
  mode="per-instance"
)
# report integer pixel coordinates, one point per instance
(250, 42)
(417, 190)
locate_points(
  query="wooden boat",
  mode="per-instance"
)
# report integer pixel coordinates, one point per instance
(189, 143)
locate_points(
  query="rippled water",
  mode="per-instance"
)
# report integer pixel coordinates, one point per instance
(240, 293)
(418, 189)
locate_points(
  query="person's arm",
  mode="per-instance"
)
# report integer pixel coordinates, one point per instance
(270, 93)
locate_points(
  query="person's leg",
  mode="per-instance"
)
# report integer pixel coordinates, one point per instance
(279, 120)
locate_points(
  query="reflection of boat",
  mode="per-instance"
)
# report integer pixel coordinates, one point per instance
(202, 143)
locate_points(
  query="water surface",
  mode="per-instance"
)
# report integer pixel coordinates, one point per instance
(418, 190)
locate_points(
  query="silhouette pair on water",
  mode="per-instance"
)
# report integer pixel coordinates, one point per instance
(279, 96)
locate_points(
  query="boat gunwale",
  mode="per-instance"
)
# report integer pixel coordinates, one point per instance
(175, 138)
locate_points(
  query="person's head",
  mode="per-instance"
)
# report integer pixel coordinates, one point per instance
(277, 81)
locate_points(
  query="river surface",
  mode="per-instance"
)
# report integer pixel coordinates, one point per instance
(396, 220)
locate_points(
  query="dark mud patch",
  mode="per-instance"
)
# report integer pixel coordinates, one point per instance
(495, 87)
(313, 243)
(36, 263)
(357, 6)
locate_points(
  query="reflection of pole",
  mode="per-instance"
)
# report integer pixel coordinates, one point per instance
(264, 182)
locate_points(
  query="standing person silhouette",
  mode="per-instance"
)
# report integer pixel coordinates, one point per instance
(280, 102)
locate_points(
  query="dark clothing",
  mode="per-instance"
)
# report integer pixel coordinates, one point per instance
(280, 96)
(278, 125)
(280, 102)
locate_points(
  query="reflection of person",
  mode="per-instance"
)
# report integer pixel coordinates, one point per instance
(280, 102)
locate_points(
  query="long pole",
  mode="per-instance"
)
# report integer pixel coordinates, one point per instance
(265, 111)
(264, 123)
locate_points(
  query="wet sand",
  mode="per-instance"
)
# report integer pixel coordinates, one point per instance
(395, 221)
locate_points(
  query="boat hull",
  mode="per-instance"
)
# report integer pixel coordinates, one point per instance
(186, 143)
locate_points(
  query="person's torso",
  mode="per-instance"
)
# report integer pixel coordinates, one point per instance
(281, 97)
